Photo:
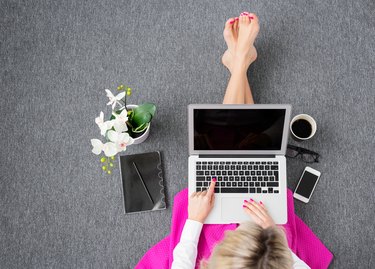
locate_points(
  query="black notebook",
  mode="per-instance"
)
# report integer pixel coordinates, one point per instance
(142, 181)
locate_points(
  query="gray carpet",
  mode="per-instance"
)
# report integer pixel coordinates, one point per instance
(58, 210)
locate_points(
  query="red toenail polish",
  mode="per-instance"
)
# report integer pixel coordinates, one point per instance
(231, 22)
(251, 17)
(236, 18)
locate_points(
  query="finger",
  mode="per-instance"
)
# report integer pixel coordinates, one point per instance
(253, 216)
(193, 194)
(254, 209)
(211, 189)
(203, 193)
(260, 208)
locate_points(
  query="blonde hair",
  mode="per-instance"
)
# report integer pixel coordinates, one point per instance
(252, 247)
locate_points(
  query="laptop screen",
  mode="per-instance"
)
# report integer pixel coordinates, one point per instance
(238, 129)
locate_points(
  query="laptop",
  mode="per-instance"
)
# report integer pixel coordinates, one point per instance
(243, 147)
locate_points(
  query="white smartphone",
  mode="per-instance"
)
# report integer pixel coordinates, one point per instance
(306, 184)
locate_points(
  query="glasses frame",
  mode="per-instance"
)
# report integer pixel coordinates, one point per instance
(301, 151)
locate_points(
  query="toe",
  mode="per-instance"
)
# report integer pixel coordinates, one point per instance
(229, 23)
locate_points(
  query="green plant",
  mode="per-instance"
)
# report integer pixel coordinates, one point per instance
(140, 117)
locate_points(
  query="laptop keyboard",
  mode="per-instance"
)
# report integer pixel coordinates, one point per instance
(238, 177)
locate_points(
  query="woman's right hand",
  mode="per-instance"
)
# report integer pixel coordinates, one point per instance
(258, 213)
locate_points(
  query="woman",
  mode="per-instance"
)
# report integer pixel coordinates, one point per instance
(259, 244)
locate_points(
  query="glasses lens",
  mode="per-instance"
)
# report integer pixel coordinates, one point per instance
(308, 158)
(291, 153)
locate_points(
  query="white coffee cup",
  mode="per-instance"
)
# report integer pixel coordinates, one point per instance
(307, 118)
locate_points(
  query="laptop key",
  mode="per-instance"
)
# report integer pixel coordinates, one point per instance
(261, 167)
(265, 178)
(254, 179)
(270, 190)
(252, 190)
(212, 173)
(263, 184)
(259, 190)
(264, 173)
(222, 184)
(243, 167)
(228, 184)
(205, 184)
(218, 173)
(274, 167)
(204, 167)
(248, 178)
(221, 167)
(267, 167)
(252, 184)
(209, 167)
(200, 178)
(198, 189)
(216, 162)
(272, 178)
(270, 173)
(235, 173)
(253, 173)
(231, 178)
(257, 184)
(234, 184)
(246, 184)
(230, 173)
(199, 167)
(234, 190)
(200, 173)
(217, 190)
(276, 191)
(242, 178)
(208, 178)
(263, 162)
(237, 178)
(264, 191)
(249, 167)
(225, 178)
(276, 174)
(272, 184)
(220, 178)
(242, 173)
(206, 173)
(260, 178)
(224, 173)
(255, 167)
(204, 162)
(247, 173)
(239, 184)
(198, 184)
(259, 173)
(198, 162)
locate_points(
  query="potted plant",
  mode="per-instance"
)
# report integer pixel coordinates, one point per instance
(128, 124)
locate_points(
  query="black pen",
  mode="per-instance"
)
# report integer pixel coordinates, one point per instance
(143, 183)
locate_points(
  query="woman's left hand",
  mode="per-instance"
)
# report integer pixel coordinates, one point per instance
(258, 212)
(201, 203)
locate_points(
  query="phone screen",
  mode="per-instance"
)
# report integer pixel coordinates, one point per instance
(306, 184)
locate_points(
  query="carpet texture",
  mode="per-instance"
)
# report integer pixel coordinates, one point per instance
(58, 210)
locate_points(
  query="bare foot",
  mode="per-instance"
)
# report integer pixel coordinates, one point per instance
(245, 52)
(230, 36)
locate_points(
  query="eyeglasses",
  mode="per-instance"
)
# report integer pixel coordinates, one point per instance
(306, 155)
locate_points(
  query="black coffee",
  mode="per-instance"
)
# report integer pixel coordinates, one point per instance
(302, 128)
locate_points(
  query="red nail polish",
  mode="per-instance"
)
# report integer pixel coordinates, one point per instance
(214, 179)
(243, 206)
(236, 18)
(245, 201)
(251, 17)
(231, 22)
(251, 200)
(261, 203)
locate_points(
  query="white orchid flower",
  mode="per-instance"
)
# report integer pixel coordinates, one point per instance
(103, 125)
(109, 148)
(120, 139)
(120, 121)
(113, 100)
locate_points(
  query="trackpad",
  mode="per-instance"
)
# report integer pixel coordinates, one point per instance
(231, 210)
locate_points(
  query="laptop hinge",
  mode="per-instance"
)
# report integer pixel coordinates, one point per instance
(235, 156)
